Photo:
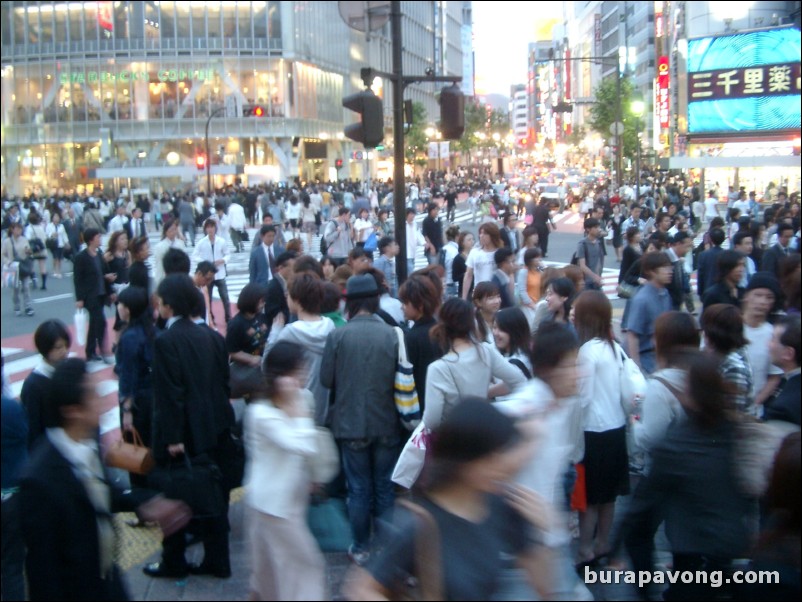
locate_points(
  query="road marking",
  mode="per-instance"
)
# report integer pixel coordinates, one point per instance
(109, 421)
(54, 298)
(573, 219)
(11, 351)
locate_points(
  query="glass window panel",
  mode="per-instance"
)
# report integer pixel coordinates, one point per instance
(19, 25)
(182, 19)
(60, 26)
(213, 15)
(75, 15)
(198, 23)
(91, 21)
(245, 21)
(33, 28)
(121, 20)
(167, 19)
(229, 14)
(260, 20)
(274, 21)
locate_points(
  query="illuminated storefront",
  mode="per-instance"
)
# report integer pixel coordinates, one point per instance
(742, 118)
(97, 88)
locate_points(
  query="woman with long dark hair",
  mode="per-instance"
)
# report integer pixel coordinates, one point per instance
(606, 461)
(486, 300)
(467, 367)
(692, 486)
(134, 359)
(512, 338)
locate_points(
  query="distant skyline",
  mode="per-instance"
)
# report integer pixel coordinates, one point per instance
(502, 32)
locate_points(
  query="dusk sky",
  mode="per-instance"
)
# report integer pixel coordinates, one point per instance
(502, 32)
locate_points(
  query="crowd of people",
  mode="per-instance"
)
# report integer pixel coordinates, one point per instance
(517, 369)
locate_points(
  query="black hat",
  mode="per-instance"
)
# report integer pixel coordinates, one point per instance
(361, 286)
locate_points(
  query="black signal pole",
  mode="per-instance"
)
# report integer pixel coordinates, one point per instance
(399, 190)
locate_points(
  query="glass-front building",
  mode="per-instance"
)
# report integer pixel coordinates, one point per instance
(122, 93)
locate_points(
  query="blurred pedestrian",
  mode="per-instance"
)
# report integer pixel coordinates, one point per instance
(280, 436)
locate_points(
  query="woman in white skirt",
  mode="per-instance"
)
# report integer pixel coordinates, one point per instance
(279, 438)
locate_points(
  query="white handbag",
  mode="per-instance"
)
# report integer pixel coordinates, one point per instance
(633, 383)
(81, 321)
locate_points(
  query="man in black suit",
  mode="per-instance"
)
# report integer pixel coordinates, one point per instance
(91, 291)
(276, 294)
(192, 416)
(67, 501)
(785, 353)
(707, 275)
(509, 233)
(262, 262)
(136, 225)
(773, 256)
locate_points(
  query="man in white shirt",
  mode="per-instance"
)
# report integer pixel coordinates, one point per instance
(169, 241)
(237, 225)
(414, 240)
(742, 203)
(213, 248)
(711, 207)
(119, 221)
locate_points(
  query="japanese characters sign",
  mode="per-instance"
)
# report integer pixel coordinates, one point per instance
(744, 82)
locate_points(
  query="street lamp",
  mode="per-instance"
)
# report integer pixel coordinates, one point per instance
(637, 106)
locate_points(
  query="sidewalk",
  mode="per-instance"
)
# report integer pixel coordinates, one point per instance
(139, 542)
(146, 541)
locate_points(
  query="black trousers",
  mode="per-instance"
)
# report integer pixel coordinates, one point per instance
(222, 288)
(96, 334)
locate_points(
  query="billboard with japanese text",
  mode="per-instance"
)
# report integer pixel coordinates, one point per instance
(744, 83)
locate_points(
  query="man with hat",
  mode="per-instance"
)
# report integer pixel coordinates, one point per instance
(761, 294)
(358, 365)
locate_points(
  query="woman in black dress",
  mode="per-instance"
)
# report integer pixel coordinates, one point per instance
(139, 275)
(632, 251)
(118, 261)
(466, 242)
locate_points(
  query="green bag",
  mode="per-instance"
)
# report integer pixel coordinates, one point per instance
(328, 522)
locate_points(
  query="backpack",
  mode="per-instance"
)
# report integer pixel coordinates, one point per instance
(324, 246)
(575, 259)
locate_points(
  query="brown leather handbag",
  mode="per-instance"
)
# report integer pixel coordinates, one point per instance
(132, 456)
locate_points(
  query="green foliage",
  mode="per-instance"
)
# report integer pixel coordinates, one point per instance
(415, 140)
(604, 113)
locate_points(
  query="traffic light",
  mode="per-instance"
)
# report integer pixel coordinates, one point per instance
(338, 163)
(253, 111)
(370, 131)
(200, 162)
(522, 142)
(452, 112)
(563, 107)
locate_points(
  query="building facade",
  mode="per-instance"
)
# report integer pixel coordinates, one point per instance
(123, 93)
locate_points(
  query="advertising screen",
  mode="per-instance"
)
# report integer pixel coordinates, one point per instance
(744, 83)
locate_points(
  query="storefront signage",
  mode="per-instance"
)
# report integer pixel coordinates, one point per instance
(744, 82)
(663, 98)
(126, 75)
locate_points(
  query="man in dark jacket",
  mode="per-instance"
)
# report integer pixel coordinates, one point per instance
(773, 256)
(358, 366)
(785, 353)
(192, 417)
(91, 291)
(708, 262)
(67, 500)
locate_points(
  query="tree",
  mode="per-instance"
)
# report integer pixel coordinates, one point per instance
(415, 140)
(604, 113)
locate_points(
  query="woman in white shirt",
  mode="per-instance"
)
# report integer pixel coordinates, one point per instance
(606, 461)
(57, 242)
(363, 227)
(279, 438)
(481, 263)
(294, 215)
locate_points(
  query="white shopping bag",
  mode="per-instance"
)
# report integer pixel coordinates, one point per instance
(81, 325)
(410, 462)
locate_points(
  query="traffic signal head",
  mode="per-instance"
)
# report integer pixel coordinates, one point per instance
(370, 131)
(253, 111)
(452, 112)
(200, 161)
(522, 142)
(338, 163)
